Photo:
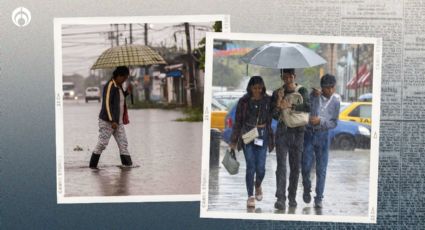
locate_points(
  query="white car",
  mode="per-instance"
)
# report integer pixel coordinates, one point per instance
(92, 93)
(228, 98)
(69, 90)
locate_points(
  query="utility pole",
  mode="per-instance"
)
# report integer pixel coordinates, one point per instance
(191, 85)
(194, 30)
(117, 35)
(131, 33)
(147, 79)
(111, 36)
(357, 70)
(146, 34)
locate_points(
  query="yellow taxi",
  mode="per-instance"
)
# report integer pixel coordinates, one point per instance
(220, 104)
(218, 114)
(358, 112)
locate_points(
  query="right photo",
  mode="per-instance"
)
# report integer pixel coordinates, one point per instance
(293, 127)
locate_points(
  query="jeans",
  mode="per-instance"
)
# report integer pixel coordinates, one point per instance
(315, 145)
(255, 157)
(288, 141)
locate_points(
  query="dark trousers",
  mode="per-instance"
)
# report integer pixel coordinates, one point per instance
(288, 141)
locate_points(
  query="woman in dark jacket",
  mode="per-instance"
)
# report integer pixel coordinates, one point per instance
(253, 111)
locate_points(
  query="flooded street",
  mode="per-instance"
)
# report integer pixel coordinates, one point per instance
(166, 154)
(346, 189)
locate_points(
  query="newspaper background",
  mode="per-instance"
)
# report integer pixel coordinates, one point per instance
(401, 199)
(27, 107)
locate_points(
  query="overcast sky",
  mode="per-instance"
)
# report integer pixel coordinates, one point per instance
(82, 44)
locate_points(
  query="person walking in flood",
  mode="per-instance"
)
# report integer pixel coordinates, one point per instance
(323, 117)
(112, 118)
(289, 139)
(253, 112)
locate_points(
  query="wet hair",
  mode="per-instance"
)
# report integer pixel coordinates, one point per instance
(327, 80)
(290, 71)
(121, 71)
(255, 80)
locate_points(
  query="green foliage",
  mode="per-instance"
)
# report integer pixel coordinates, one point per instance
(218, 26)
(226, 72)
(310, 77)
(192, 115)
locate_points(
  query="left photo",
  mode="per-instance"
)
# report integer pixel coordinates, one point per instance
(129, 99)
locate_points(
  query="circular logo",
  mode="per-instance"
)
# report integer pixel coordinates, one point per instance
(21, 16)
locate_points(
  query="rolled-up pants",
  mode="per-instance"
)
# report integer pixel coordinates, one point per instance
(105, 132)
(288, 141)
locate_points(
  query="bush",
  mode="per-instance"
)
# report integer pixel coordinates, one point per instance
(192, 115)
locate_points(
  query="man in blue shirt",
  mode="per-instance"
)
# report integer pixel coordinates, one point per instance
(323, 117)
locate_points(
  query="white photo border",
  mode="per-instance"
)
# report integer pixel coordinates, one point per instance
(374, 150)
(60, 160)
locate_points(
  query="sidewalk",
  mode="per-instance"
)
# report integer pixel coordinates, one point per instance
(346, 188)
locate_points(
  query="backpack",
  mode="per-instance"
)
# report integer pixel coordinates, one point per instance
(293, 118)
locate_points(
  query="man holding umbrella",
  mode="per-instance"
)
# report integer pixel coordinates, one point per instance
(289, 136)
(288, 139)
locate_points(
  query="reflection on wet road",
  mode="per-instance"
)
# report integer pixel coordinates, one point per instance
(166, 154)
(346, 188)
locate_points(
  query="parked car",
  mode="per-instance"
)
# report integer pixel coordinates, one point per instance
(228, 98)
(92, 93)
(347, 135)
(358, 112)
(218, 113)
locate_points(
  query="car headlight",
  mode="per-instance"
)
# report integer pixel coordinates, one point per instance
(364, 131)
(71, 93)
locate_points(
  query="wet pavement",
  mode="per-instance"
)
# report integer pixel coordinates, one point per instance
(166, 154)
(346, 188)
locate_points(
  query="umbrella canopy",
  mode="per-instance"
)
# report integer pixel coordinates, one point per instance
(283, 56)
(128, 55)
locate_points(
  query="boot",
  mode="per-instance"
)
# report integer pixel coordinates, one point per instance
(126, 160)
(94, 160)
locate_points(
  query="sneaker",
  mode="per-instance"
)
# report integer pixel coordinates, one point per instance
(318, 204)
(279, 204)
(250, 203)
(292, 203)
(258, 193)
(307, 197)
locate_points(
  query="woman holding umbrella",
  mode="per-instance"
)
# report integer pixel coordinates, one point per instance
(112, 118)
(253, 112)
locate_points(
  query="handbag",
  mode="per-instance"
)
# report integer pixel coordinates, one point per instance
(230, 162)
(253, 133)
(250, 135)
(293, 118)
